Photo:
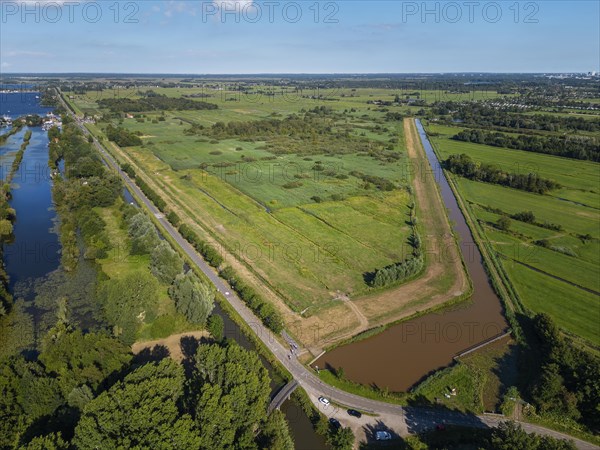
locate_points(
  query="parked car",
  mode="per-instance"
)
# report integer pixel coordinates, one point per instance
(354, 413)
(324, 401)
(335, 423)
(382, 436)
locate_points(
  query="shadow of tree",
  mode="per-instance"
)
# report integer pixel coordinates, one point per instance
(396, 441)
(421, 415)
(152, 354)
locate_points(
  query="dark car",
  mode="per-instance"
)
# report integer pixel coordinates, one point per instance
(354, 413)
(335, 423)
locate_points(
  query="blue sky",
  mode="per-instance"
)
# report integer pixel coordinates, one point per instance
(259, 36)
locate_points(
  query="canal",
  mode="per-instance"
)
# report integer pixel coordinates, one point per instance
(401, 356)
(34, 252)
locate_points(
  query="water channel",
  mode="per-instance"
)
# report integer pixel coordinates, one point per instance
(404, 354)
(34, 252)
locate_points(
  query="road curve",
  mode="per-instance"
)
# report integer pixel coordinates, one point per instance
(415, 419)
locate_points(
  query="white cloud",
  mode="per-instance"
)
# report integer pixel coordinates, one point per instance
(232, 5)
(179, 7)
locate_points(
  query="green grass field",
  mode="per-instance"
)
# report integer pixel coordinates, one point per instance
(263, 206)
(563, 280)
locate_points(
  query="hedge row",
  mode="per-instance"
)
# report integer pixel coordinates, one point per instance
(211, 255)
(153, 196)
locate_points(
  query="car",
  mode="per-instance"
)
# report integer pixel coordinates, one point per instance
(354, 413)
(335, 423)
(324, 401)
(382, 435)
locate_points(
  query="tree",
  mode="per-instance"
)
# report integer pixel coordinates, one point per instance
(193, 299)
(275, 433)
(53, 441)
(27, 394)
(510, 436)
(128, 302)
(342, 439)
(503, 223)
(233, 397)
(139, 412)
(215, 327)
(165, 263)
(83, 361)
(144, 236)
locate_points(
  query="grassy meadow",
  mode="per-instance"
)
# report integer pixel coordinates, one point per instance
(310, 234)
(561, 277)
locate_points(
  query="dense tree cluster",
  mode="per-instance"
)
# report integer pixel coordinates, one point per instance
(85, 392)
(151, 194)
(577, 147)
(122, 137)
(464, 166)
(154, 103)
(568, 384)
(397, 273)
(382, 184)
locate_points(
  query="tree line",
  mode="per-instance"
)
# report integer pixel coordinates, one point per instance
(576, 147)
(154, 103)
(265, 311)
(464, 166)
(480, 114)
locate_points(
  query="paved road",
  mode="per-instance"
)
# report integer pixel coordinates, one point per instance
(414, 419)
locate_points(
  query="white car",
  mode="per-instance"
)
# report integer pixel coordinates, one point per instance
(382, 436)
(324, 401)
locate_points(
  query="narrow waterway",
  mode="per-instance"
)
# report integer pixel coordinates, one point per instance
(406, 353)
(35, 249)
(34, 252)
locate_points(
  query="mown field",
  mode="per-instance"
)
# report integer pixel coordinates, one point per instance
(562, 276)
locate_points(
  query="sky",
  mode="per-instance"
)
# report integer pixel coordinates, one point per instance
(272, 36)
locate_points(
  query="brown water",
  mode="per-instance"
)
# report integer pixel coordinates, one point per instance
(303, 433)
(406, 353)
